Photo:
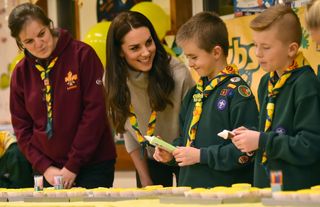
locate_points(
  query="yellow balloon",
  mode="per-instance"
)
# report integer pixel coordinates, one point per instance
(159, 19)
(96, 38)
(15, 61)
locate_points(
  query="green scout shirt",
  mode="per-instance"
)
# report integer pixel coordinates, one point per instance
(230, 105)
(293, 144)
(15, 170)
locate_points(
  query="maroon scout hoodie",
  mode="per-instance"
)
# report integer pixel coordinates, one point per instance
(81, 133)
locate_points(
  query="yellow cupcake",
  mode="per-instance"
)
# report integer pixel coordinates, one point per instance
(100, 192)
(315, 195)
(153, 187)
(180, 190)
(243, 186)
(316, 187)
(14, 193)
(194, 193)
(165, 190)
(51, 193)
(127, 192)
(283, 195)
(208, 194)
(227, 193)
(143, 192)
(265, 192)
(27, 192)
(303, 195)
(115, 192)
(38, 194)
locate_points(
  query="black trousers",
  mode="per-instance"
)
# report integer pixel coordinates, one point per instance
(94, 176)
(161, 174)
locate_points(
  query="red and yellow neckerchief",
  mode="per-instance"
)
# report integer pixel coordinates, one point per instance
(201, 94)
(44, 74)
(135, 126)
(274, 87)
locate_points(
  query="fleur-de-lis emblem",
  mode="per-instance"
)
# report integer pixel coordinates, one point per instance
(70, 80)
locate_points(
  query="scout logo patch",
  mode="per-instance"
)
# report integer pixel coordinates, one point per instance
(243, 159)
(70, 80)
(244, 91)
(280, 130)
(235, 79)
(222, 104)
(224, 92)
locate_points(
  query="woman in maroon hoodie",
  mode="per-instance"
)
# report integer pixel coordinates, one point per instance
(57, 103)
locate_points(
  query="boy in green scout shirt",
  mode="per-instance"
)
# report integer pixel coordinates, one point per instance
(15, 170)
(289, 97)
(220, 100)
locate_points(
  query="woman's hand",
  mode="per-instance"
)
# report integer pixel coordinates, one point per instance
(50, 173)
(68, 178)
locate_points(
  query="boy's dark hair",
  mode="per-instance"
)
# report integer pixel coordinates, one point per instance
(283, 19)
(207, 29)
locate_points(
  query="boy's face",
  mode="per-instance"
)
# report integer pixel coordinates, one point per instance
(315, 35)
(272, 53)
(199, 60)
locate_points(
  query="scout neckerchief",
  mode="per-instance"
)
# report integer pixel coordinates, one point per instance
(44, 74)
(200, 95)
(150, 131)
(274, 86)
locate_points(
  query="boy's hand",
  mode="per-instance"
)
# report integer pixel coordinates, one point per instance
(162, 155)
(186, 156)
(246, 140)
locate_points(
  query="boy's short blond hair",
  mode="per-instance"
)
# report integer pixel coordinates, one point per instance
(312, 14)
(207, 29)
(284, 19)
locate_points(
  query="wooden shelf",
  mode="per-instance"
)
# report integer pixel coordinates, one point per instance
(123, 162)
